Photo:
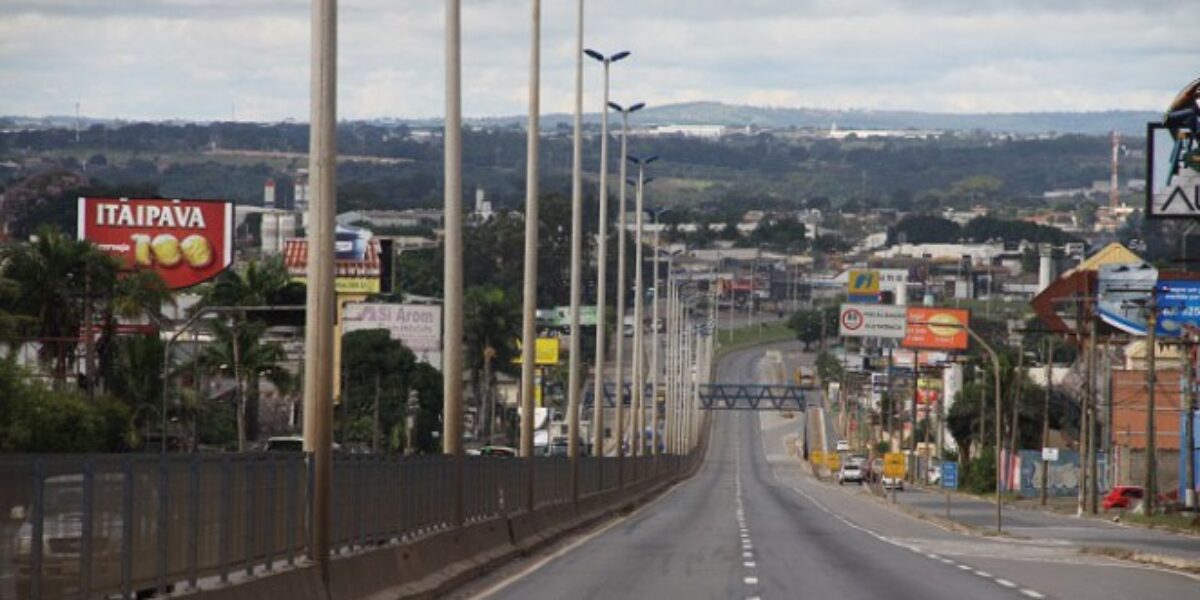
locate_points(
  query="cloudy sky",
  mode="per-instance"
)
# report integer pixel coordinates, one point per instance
(210, 59)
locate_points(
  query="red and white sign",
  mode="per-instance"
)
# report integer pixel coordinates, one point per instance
(871, 320)
(185, 241)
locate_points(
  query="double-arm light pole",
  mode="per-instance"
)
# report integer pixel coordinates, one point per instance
(619, 376)
(639, 363)
(602, 262)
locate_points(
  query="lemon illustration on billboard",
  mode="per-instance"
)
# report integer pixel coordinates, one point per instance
(937, 329)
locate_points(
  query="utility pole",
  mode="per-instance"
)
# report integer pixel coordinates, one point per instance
(529, 300)
(452, 283)
(1046, 414)
(1093, 408)
(1189, 430)
(320, 299)
(654, 344)
(1151, 382)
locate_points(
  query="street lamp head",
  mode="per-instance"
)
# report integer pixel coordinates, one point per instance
(651, 159)
(637, 107)
(595, 55)
(615, 106)
(618, 56)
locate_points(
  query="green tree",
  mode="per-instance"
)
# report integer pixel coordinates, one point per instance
(238, 350)
(260, 283)
(492, 324)
(34, 418)
(808, 326)
(376, 374)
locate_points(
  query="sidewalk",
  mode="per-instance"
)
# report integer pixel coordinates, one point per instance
(1089, 534)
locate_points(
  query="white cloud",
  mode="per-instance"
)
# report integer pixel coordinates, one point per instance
(199, 58)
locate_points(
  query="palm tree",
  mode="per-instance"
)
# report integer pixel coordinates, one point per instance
(54, 275)
(239, 347)
(491, 323)
(259, 284)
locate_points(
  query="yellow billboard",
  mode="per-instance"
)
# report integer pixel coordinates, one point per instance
(545, 352)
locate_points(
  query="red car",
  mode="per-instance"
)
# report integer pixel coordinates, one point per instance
(1126, 496)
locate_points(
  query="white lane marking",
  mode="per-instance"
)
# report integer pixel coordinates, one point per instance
(749, 564)
(751, 580)
(1028, 592)
(747, 555)
(1006, 583)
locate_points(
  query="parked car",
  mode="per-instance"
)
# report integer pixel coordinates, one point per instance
(1128, 496)
(497, 451)
(843, 445)
(850, 474)
(889, 483)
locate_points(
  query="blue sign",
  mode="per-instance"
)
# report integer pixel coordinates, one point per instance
(950, 475)
(1179, 307)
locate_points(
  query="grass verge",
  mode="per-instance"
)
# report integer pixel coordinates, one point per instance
(745, 337)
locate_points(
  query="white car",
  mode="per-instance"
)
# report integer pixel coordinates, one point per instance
(850, 474)
(843, 446)
(893, 483)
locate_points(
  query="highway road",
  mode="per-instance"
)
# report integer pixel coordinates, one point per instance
(754, 524)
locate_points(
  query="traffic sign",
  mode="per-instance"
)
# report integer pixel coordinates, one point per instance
(1050, 454)
(950, 475)
(817, 457)
(894, 465)
(859, 320)
(833, 461)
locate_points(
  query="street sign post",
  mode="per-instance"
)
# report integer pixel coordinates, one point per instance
(866, 320)
(894, 465)
(833, 462)
(949, 481)
(950, 475)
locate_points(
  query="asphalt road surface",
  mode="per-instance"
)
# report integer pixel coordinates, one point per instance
(753, 524)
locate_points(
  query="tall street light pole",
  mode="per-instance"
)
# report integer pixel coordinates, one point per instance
(654, 349)
(619, 376)
(529, 306)
(320, 299)
(602, 263)
(452, 284)
(574, 361)
(639, 363)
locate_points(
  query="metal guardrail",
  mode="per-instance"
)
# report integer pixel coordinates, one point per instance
(118, 525)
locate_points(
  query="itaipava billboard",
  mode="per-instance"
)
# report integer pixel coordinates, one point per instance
(185, 241)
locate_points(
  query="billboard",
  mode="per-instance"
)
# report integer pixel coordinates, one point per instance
(863, 320)
(1173, 174)
(1122, 291)
(185, 241)
(545, 351)
(417, 326)
(1179, 308)
(863, 286)
(937, 329)
(929, 390)
(357, 257)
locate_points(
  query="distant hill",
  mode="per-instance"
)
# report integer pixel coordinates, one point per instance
(715, 113)
(1131, 122)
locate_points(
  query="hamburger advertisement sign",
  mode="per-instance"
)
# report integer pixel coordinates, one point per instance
(185, 241)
